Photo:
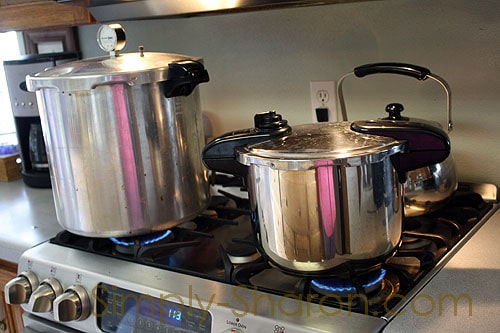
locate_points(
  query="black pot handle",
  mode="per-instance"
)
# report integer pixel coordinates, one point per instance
(183, 77)
(418, 72)
(220, 154)
(425, 144)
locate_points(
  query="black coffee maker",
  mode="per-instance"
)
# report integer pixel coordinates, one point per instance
(35, 169)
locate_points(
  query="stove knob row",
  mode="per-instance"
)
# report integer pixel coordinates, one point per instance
(19, 289)
(68, 305)
(73, 304)
(42, 298)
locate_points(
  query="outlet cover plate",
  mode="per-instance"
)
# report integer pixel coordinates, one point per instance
(324, 95)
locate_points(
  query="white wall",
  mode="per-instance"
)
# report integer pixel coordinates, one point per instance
(264, 60)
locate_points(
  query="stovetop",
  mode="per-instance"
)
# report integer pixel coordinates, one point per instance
(207, 275)
(219, 245)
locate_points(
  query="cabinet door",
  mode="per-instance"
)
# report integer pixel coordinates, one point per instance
(23, 15)
(4, 325)
(3, 320)
(11, 320)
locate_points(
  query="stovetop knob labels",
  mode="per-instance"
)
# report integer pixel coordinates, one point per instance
(233, 330)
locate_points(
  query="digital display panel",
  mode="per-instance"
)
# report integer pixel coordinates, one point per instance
(121, 310)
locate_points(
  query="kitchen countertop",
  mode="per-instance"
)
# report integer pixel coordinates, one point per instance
(27, 217)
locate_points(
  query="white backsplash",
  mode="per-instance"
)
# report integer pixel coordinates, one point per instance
(264, 60)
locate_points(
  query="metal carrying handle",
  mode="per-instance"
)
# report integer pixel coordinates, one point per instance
(418, 72)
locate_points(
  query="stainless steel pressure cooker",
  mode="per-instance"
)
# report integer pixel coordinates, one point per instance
(124, 136)
(326, 194)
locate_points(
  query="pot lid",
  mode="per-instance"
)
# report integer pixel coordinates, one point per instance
(131, 68)
(326, 143)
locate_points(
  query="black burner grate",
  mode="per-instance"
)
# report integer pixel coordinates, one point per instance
(207, 247)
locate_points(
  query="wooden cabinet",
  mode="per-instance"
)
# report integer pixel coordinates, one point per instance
(23, 15)
(10, 315)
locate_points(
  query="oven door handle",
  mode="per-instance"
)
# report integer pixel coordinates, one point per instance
(34, 324)
(29, 330)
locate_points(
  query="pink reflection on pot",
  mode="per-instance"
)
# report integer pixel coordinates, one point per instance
(326, 189)
(129, 167)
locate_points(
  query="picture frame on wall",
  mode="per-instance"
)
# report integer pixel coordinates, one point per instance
(51, 40)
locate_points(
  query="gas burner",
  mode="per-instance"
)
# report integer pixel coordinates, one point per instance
(129, 245)
(364, 284)
(430, 234)
(372, 293)
(418, 225)
(241, 252)
(414, 243)
(142, 240)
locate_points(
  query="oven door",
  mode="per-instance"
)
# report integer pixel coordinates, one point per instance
(33, 324)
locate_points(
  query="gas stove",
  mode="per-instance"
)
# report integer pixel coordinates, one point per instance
(207, 275)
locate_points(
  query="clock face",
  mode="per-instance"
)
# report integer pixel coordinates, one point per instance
(111, 37)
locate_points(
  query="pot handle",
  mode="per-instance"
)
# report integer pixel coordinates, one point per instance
(425, 144)
(220, 154)
(418, 72)
(415, 71)
(183, 77)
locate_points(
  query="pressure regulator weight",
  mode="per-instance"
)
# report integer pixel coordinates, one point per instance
(111, 38)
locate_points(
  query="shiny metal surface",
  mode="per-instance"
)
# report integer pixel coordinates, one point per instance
(323, 200)
(428, 189)
(317, 219)
(73, 304)
(34, 324)
(113, 10)
(42, 298)
(124, 159)
(432, 76)
(335, 142)
(18, 290)
(86, 74)
(258, 311)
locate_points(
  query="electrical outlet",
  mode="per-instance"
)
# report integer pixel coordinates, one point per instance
(323, 100)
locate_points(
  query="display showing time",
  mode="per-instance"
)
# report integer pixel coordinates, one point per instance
(123, 310)
(174, 314)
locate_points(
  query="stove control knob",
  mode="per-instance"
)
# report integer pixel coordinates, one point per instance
(18, 290)
(74, 304)
(42, 298)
